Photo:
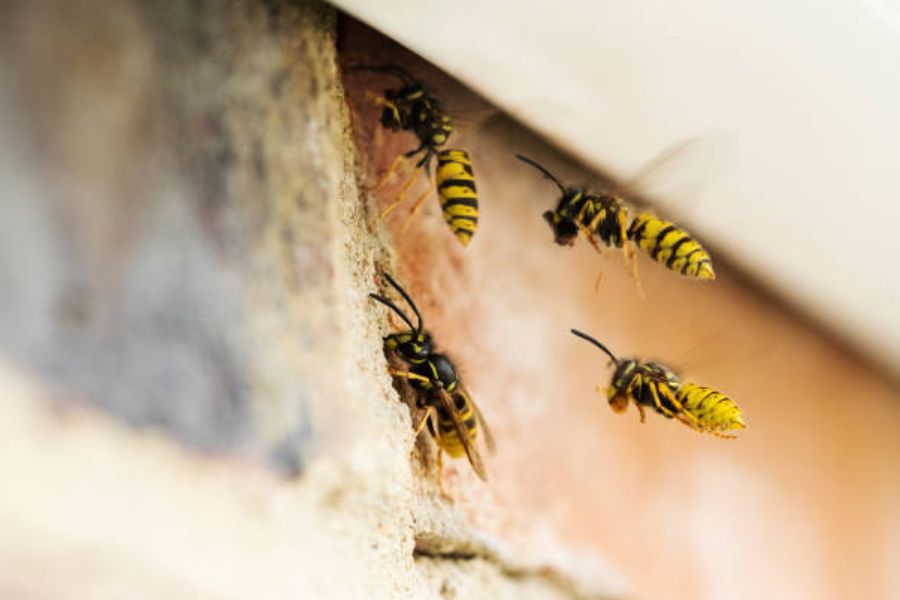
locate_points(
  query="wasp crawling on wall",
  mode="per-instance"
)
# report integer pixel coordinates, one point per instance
(456, 189)
(411, 107)
(605, 217)
(451, 416)
(653, 385)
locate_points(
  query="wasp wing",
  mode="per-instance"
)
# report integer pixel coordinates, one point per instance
(679, 173)
(488, 436)
(448, 406)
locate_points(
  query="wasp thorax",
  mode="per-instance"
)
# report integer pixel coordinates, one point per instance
(624, 372)
(443, 370)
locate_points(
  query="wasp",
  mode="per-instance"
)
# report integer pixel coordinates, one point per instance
(654, 385)
(452, 417)
(605, 217)
(411, 107)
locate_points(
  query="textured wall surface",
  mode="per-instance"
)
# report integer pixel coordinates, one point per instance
(194, 398)
(194, 395)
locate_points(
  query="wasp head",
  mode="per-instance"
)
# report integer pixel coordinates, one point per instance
(391, 117)
(564, 230)
(617, 394)
(618, 401)
(411, 346)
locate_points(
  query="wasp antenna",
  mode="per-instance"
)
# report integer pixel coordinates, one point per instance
(585, 336)
(394, 308)
(388, 69)
(409, 301)
(543, 170)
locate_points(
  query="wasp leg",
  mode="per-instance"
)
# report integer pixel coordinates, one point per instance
(641, 412)
(630, 394)
(687, 418)
(590, 236)
(634, 270)
(657, 402)
(599, 280)
(623, 236)
(417, 205)
(587, 230)
(630, 253)
(408, 375)
(424, 420)
(402, 195)
(440, 455)
(395, 165)
(683, 415)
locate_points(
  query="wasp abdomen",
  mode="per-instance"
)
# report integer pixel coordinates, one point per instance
(671, 246)
(712, 410)
(447, 435)
(457, 192)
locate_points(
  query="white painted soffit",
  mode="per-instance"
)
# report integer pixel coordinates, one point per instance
(807, 93)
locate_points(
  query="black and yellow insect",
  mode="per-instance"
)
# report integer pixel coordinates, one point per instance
(457, 193)
(653, 385)
(452, 417)
(605, 217)
(413, 108)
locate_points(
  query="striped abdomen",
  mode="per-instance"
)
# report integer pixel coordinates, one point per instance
(712, 410)
(456, 189)
(448, 437)
(671, 246)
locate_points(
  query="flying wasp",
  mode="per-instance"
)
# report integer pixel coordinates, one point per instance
(452, 417)
(413, 108)
(654, 385)
(605, 217)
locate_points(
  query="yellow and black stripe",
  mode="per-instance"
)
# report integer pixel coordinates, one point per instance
(712, 411)
(671, 246)
(458, 196)
(448, 436)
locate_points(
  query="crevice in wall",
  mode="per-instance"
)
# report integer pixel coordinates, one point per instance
(450, 566)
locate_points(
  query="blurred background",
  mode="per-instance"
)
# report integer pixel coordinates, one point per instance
(194, 397)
